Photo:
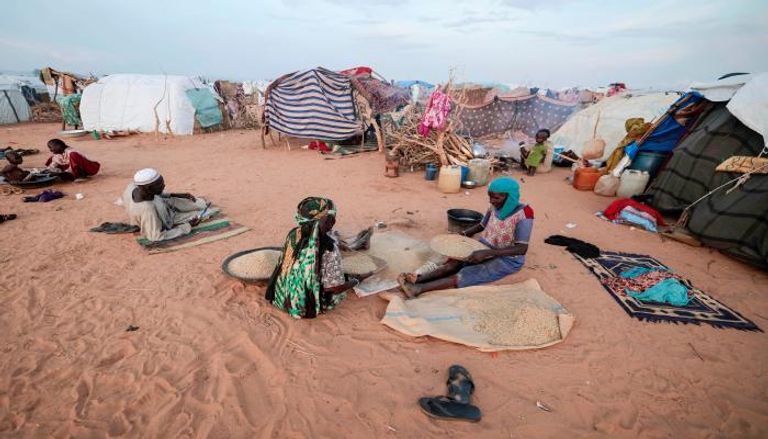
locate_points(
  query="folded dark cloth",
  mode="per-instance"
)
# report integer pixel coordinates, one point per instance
(44, 197)
(573, 245)
(115, 228)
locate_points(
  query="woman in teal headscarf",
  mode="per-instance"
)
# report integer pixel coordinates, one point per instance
(505, 229)
(308, 279)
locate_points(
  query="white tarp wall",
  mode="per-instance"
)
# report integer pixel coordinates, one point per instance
(748, 95)
(13, 107)
(613, 112)
(139, 102)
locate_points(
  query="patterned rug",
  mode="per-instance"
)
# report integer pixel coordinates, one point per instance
(203, 233)
(701, 308)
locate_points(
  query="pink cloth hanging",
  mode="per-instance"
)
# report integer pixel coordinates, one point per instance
(436, 115)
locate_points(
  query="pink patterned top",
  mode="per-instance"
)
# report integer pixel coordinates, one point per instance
(515, 229)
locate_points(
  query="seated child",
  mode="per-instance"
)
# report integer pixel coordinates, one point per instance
(12, 171)
(69, 164)
(538, 153)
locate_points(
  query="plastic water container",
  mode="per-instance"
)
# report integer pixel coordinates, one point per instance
(430, 173)
(464, 173)
(648, 161)
(632, 183)
(449, 180)
(479, 171)
(585, 179)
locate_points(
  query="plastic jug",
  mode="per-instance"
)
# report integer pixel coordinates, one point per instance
(585, 179)
(479, 171)
(430, 173)
(449, 180)
(632, 183)
(607, 185)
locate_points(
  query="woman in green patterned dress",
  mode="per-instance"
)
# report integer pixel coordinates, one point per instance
(308, 279)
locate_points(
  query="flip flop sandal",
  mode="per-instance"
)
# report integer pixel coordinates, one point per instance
(460, 384)
(9, 217)
(442, 407)
(115, 228)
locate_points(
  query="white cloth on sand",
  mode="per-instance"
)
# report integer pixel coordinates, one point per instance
(164, 217)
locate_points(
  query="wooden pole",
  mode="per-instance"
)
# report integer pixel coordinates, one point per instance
(263, 138)
(379, 135)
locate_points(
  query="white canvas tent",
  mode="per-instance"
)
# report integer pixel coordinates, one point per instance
(612, 112)
(13, 107)
(140, 102)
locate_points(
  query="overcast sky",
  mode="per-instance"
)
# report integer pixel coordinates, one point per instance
(555, 43)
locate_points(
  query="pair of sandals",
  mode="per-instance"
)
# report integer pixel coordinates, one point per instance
(456, 405)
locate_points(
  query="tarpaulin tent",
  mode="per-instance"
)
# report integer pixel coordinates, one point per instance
(670, 128)
(316, 104)
(13, 107)
(381, 96)
(527, 114)
(734, 220)
(140, 102)
(609, 116)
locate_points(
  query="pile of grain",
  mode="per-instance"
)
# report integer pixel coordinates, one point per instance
(255, 265)
(515, 322)
(456, 246)
(358, 263)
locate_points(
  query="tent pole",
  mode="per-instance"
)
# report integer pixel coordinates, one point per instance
(379, 135)
(15, 114)
(263, 138)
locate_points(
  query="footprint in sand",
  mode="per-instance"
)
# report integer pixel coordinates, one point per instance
(277, 331)
(118, 426)
(83, 390)
(121, 351)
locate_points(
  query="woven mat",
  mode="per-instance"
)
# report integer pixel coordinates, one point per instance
(702, 308)
(203, 233)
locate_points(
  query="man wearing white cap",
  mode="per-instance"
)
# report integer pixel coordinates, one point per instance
(160, 216)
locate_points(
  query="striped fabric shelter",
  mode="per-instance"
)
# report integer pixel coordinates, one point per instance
(316, 104)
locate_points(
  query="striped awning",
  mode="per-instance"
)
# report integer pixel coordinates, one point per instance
(316, 104)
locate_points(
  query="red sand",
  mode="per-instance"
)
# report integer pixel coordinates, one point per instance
(211, 359)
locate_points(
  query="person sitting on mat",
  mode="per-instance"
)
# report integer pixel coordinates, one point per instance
(69, 164)
(308, 279)
(540, 154)
(161, 216)
(13, 171)
(505, 229)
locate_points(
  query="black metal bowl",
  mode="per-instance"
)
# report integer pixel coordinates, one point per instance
(462, 219)
(225, 264)
(34, 184)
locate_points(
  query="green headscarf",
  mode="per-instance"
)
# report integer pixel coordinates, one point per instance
(509, 186)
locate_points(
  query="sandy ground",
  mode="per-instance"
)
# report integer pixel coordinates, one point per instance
(212, 360)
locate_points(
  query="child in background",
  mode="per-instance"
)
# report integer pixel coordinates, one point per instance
(69, 164)
(538, 153)
(12, 171)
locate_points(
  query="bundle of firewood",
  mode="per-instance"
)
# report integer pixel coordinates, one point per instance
(46, 112)
(444, 147)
